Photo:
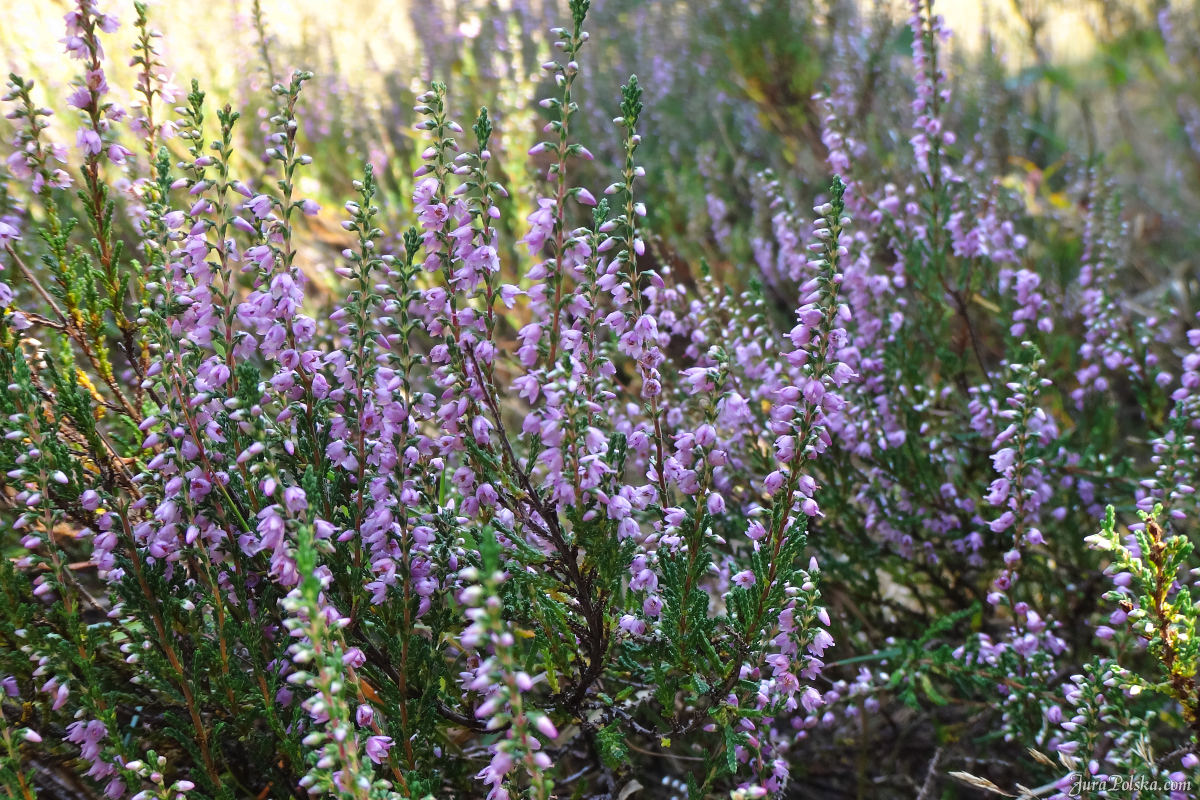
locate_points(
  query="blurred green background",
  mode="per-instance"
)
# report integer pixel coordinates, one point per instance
(1052, 85)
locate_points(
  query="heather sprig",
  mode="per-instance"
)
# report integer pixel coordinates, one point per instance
(339, 765)
(1147, 566)
(501, 681)
(1020, 489)
(30, 159)
(564, 149)
(151, 84)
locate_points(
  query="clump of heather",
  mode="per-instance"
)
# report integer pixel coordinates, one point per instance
(516, 500)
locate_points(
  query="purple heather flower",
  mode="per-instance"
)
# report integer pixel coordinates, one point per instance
(295, 499)
(811, 699)
(745, 579)
(377, 748)
(89, 141)
(260, 205)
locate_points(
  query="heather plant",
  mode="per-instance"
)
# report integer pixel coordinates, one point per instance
(900, 507)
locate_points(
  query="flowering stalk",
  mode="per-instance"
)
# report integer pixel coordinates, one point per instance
(564, 149)
(637, 329)
(815, 338)
(80, 314)
(95, 140)
(338, 766)
(1021, 485)
(502, 682)
(150, 84)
